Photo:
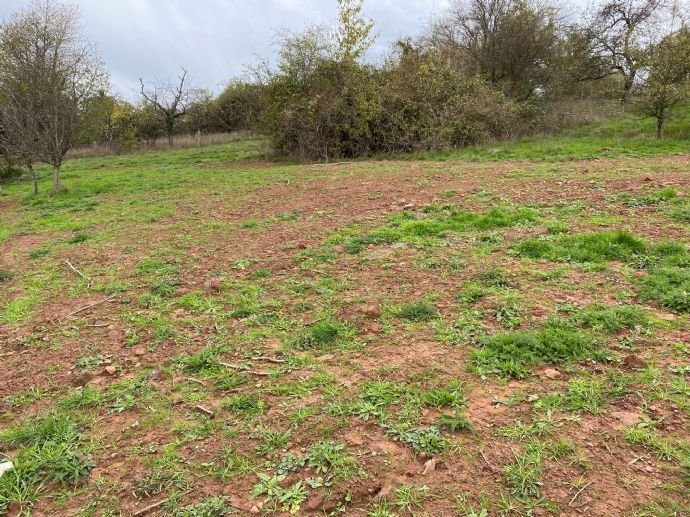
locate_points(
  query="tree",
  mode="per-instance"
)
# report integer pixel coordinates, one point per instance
(354, 34)
(171, 101)
(622, 29)
(48, 74)
(667, 81)
(507, 42)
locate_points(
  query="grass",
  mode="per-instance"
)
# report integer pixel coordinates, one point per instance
(436, 221)
(341, 341)
(593, 247)
(511, 354)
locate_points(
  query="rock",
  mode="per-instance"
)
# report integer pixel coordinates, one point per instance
(6, 466)
(634, 362)
(254, 509)
(139, 351)
(213, 284)
(110, 370)
(430, 466)
(409, 206)
(372, 311)
(647, 179)
(301, 246)
(314, 503)
(552, 373)
(155, 375)
(82, 379)
(385, 492)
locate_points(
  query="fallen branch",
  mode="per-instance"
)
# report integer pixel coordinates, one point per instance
(82, 309)
(206, 411)
(153, 506)
(269, 359)
(481, 453)
(197, 381)
(579, 492)
(88, 280)
(244, 369)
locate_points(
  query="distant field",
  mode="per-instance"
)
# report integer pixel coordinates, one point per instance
(496, 331)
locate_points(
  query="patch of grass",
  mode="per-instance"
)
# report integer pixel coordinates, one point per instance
(78, 238)
(523, 475)
(211, 507)
(421, 439)
(82, 398)
(418, 311)
(669, 286)
(245, 405)
(455, 422)
(584, 248)
(6, 276)
(654, 198)
(51, 450)
(322, 335)
(435, 221)
(331, 460)
(612, 319)
(511, 354)
(410, 498)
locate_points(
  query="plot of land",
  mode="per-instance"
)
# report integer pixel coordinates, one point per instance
(221, 335)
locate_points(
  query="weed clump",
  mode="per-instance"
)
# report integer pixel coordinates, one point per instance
(612, 319)
(419, 311)
(669, 286)
(436, 221)
(6, 276)
(584, 248)
(320, 336)
(511, 354)
(51, 449)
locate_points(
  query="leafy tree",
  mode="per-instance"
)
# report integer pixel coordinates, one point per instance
(667, 81)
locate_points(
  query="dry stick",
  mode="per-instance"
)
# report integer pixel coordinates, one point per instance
(192, 379)
(82, 309)
(153, 506)
(242, 369)
(269, 359)
(88, 280)
(579, 492)
(481, 453)
(206, 411)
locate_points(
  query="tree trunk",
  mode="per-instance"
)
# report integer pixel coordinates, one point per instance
(34, 178)
(660, 126)
(56, 178)
(170, 140)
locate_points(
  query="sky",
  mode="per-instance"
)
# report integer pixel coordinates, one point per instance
(215, 39)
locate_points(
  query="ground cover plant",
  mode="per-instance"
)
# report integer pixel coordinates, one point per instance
(211, 333)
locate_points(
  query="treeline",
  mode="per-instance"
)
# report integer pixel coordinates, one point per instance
(488, 69)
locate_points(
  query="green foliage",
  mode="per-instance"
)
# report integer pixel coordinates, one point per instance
(435, 221)
(669, 286)
(6, 276)
(419, 311)
(455, 423)
(322, 335)
(421, 439)
(244, 405)
(612, 319)
(592, 247)
(212, 507)
(511, 354)
(51, 449)
(523, 475)
(330, 459)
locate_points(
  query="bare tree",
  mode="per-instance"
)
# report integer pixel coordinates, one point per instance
(48, 74)
(171, 101)
(623, 33)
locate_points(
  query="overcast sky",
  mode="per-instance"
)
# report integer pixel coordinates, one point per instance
(214, 39)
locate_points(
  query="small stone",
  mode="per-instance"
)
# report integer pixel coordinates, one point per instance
(254, 509)
(315, 503)
(372, 311)
(110, 370)
(552, 373)
(301, 246)
(647, 179)
(409, 206)
(634, 362)
(430, 466)
(139, 351)
(82, 379)
(213, 284)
